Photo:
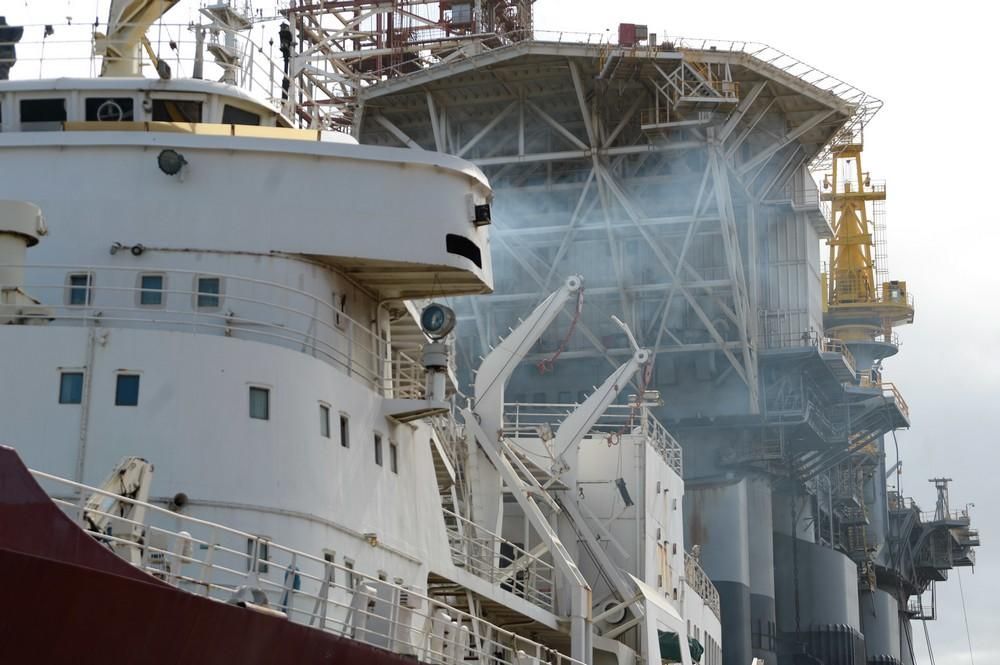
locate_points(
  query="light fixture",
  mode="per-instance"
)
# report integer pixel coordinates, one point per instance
(437, 320)
(170, 161)
(482, 215)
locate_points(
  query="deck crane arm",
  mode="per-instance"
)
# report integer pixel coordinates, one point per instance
(576, 425)
(107, 514)
(128, 21)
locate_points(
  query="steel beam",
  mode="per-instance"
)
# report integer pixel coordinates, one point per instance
(397, 132)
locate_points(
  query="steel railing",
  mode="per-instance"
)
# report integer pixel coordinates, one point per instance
(523, 419)
(888, 390)
(248, 309)
(70, 50)
(950, 516)
(215, 561)
(810, 338)
(702, 585)
(482, 553)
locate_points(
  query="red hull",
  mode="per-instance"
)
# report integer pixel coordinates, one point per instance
(67, 599)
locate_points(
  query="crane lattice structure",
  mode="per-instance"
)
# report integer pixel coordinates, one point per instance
(342, 46)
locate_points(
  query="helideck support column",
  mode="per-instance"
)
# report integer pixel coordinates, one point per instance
(715, 518)
(760, 535)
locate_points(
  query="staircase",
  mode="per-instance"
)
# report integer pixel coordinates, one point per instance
(448, 454)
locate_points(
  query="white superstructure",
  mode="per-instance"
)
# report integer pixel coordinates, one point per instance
(194, 303)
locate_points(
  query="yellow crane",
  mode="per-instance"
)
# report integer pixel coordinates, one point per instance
(858, 310)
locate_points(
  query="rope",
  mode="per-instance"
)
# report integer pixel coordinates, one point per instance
(927, 638)
(965, 616)
(545, 365)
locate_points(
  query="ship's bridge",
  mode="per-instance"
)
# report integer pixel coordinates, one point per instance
(205, 146)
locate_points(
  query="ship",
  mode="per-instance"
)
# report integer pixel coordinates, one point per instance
(432, 337)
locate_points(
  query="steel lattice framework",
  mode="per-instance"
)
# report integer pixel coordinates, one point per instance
(335, 48)
(649, 166)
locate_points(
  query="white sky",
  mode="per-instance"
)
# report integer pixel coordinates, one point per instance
(934, 141)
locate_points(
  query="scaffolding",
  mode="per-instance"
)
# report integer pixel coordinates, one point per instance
(342, 46)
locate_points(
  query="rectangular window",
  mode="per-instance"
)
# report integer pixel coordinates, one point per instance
(352, 579)
(345, 431)
(176, 110)
(232, 115)
(108, 109)
(81, 288)
(208, 291)
(340, 309)
(324, 421)
(43, 114)
(393, 457)
(127, 390)
(260, 403)
(151, 290)
(330, 557)
(378, 449)
(70, 387)
(263, 553)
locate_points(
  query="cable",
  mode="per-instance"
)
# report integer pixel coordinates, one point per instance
(906, 627)
(899, 468)
(965, 616)
(927, 637)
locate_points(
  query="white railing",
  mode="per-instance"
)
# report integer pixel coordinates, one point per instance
(70, 50)
(215, 561)
(702, 585)
(478, 550)
(248, 309)
(522, 419)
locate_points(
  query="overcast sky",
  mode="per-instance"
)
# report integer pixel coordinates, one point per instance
(934, 142)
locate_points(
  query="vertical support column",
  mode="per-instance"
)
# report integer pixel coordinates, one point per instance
(760, 534)
(880, 623)
(715, 517)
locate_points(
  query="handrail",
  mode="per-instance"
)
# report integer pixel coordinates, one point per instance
(477, 549)
(521, 419)
(950, 516)
(70, 47)
(864, 106)
(249, 308)
(888, 390)
(696, 578)
(212, 560)
(811, 338)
